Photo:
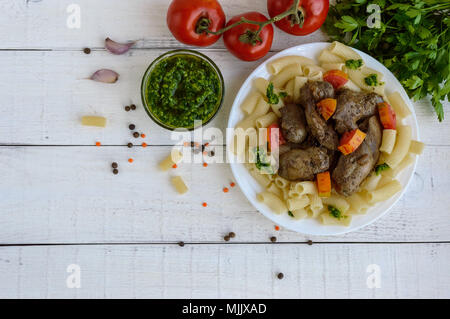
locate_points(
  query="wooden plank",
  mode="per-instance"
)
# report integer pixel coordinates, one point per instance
(43, 24)
(227, 271)
(69, 195)
(46, 91)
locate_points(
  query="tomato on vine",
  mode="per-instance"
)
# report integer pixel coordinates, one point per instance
(246, 41)
(249, 35)
(310, 16)
(189, 21)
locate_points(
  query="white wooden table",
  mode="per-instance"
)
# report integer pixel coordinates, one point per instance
(61, 205)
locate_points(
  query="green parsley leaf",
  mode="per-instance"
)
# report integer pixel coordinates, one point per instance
(372, 80)
(347, 24)
(282, 95)
(272, 97)
(261, 159)
(290, 213)
(354, 64)
(380, 168)
(336, 213)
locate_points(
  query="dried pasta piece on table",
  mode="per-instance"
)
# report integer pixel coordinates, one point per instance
(179, 184)
(173, 158)
(98, 121)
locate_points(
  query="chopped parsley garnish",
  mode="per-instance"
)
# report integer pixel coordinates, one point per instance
(261, 159)
(372, 80)
(290, 213)
(380, 168)
(354, 64)
(336, 213)
(282, 95)
(272, 97)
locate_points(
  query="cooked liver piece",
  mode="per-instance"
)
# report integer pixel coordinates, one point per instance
(352, 169)
(302, 165)
(293, 123)
(310, 94)
(354, 106)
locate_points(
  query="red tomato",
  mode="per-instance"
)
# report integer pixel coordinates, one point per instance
(244, 50)
(387, 116)
(275, 137)
(314, 15)
(336, 78)
(185, 20)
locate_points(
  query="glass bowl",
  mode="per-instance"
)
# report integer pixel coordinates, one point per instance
(147, 76)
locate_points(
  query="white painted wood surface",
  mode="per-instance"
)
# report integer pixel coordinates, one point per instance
(227, 271)
(57, 188)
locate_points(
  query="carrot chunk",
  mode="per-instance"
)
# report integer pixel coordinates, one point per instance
(327, 107)
(387, 116)
(336, 78)
(324, 184)
(350, 141)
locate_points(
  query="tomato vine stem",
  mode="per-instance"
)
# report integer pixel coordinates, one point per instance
(253, 36)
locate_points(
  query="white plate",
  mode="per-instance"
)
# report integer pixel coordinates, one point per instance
(250, 187)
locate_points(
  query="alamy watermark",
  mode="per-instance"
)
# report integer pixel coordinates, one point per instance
(374, 278)
(74, 19)
(374, 19)
(74, 279)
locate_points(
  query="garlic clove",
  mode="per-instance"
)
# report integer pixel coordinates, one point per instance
(117, 48)
(105, 76)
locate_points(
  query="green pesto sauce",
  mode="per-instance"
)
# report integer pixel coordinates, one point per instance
(183, 88)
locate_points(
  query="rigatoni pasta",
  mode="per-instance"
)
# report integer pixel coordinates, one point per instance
(179, 184)
(401, 147)
(388, 141)
(385, 192)
(276, 66)
(173, 158)
(289, 72)
(400, 107)
(274, 202)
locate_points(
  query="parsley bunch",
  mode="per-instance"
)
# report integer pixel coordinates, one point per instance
(412, 41)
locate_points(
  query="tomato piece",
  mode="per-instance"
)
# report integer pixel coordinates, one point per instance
(388, 117)
(350, 141)
(274, 136)
(187, 20)
(242, 49)
(327, 107)
(336, 78)
(313, 12)
(324, 184)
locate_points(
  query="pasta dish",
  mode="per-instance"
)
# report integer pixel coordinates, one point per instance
(323, 139)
